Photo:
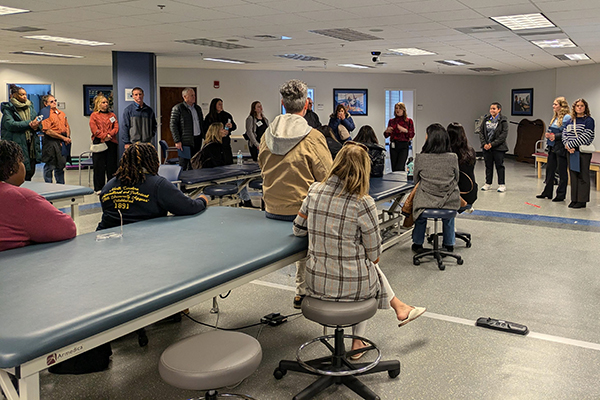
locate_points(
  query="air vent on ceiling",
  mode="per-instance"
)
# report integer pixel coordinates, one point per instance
(300, 57)
(417, 71)
(213, 43)
(482, 29)
(484, 69)
(346, 34)
(23, 29)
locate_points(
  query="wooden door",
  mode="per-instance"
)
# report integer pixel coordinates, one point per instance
(169, 96)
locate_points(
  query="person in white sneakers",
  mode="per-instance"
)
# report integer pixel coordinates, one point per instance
(493, 132)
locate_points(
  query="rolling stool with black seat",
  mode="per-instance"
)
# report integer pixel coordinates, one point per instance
(210, 361)
(336, 367)
(221, 190)
(256, 184)
(464, 236)
(437, 252)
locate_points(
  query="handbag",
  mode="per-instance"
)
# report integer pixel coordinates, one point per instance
(584, 148)
(407, 208)
(98, 148)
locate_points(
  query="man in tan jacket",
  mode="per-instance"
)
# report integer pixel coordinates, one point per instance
(292, 156)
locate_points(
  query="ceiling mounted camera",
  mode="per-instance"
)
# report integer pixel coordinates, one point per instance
(375, 55)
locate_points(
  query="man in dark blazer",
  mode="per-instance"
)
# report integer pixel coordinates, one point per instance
(186, 127)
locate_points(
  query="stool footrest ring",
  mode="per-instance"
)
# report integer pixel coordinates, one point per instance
(343, 371)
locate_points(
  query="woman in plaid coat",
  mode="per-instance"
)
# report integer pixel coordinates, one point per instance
(341, 221)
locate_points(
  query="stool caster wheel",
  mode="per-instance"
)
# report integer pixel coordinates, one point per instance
(441, 266)
(416, 262)
(394, 373)
(460, 261)
(430, 239)
(468, 245)
(279, 373)
(143, 340)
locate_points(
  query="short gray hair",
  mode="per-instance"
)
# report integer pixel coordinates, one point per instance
(294, 95)
(185, 91)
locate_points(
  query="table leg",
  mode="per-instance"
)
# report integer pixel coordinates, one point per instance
(539, 168)
(29, 387)
(75, 212)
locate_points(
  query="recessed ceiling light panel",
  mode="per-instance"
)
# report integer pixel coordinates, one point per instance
(59, 39)
(227, 60)
(349, 35)
(454, 63)
(213, 43)
(9, 10)
(357, 66)
(554, 43)
(412, 51)
(417, 71)
(44, 54)
(524, 21)
(300, 57)
(484, 69)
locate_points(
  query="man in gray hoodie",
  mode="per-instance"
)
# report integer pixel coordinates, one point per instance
(292, 156)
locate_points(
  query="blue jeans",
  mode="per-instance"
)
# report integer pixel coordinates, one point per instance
(59, 174)
(418, 234)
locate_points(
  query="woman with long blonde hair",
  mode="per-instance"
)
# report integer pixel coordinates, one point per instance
(105, 128)
(557, 154)
(341, 221)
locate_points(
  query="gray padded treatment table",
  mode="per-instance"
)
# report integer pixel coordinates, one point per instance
(196, 179)
(58, 300)
(61, 195)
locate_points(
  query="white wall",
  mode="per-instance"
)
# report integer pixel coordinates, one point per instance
(444, 98)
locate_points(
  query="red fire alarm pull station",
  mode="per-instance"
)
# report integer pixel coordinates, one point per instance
(216, 84)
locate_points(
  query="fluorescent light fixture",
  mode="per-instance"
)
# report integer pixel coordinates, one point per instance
(577, 57)
(43, 53)
(59, 39)
(524, 21)
(5, 61)
(286, 38)
(454, 62)
(412, 51)
(9, 10)
(358, 66)
(224, 60)
(554, 43)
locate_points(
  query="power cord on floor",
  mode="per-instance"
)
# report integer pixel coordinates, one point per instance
(270, 319)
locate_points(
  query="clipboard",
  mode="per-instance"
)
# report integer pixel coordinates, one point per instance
(186, 152)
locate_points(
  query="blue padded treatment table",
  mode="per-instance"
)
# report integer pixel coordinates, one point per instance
(58, 300)
(390, 188)
(397, 176)
(196, 179)
(61, 195)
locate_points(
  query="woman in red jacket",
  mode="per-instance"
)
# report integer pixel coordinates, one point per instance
(400, 130)
(104, 127)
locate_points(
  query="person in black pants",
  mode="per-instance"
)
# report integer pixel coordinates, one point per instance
(557, 154)
(466, 162)
(493, 132)
(217, 114)
(400, 130)
(579, 133)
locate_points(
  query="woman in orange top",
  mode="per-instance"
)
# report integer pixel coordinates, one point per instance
(105, 127)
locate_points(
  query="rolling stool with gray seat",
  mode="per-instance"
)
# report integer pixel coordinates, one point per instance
(221, 190)
(256, 184)
(336, 368)
(437, 214)
(210, 361)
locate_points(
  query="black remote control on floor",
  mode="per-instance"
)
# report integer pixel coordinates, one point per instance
(501, 325)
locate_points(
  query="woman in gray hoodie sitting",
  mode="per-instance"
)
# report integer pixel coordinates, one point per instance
(437, 173)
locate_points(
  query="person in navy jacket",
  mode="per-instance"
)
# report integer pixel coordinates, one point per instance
(341, 117)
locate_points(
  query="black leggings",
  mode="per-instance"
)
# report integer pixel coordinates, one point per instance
(398, 154)
(492, 157)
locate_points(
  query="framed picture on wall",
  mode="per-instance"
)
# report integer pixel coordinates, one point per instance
(522, 102)
(355, 100)
(91, 91)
